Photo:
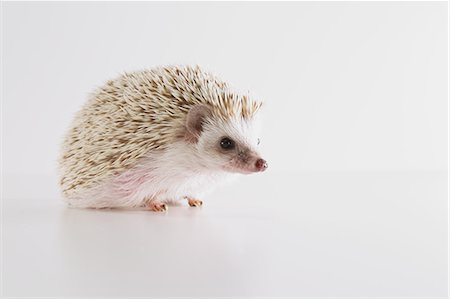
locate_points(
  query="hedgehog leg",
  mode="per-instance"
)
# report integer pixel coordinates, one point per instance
(194, 202)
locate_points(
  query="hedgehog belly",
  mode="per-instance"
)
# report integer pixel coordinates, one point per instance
(149, 180)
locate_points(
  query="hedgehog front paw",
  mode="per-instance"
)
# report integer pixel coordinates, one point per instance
(194, 202)
(157, 206)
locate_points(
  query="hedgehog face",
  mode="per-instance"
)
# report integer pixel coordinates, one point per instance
(229, 145)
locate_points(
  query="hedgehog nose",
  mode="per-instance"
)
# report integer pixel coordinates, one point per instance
(261, 164)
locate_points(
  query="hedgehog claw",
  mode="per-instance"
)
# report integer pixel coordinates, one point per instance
(158, 207)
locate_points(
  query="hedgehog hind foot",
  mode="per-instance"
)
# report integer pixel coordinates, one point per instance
(193, 202)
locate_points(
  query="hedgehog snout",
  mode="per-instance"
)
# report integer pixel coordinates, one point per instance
(261, 164)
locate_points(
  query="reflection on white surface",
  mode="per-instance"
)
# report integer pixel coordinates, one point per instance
(316, 234)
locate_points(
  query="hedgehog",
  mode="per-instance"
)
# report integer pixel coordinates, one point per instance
(152, 137)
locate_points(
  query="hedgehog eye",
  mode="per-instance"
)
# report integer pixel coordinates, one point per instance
(259, 141)
(226, 143)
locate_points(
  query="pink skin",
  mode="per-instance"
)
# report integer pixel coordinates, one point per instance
(261, 165)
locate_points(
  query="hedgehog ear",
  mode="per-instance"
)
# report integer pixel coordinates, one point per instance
(195, 120)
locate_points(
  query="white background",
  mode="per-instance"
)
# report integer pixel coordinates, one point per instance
(355, 199)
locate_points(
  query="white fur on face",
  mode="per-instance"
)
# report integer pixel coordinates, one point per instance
(244, 133)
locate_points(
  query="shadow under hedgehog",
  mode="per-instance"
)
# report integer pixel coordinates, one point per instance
(158, 135)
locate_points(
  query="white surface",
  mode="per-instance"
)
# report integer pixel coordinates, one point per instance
(354, 200)
(322, 234)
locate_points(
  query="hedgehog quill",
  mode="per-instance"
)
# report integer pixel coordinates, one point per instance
(155, 136)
